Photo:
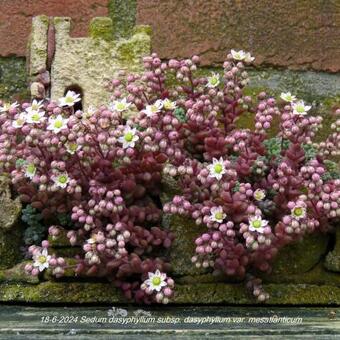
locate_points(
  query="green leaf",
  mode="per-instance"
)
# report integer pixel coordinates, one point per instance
(180, 114)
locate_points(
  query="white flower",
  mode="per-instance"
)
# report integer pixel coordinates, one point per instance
(299, 108)
(129, 137)
(120, 105)
(72, 147)
(91, 240)
(169, 105)
(216, 169)
(154, 108)
(20, 121)
(41, 260)
(239, 55)
(69, 99)
(213, 80)
(7, 106)
(35, 106)
(287, 97)
(248, 58)
(156, 281)
(89, 112)
(299, 211)
(30, 170)
(35, 117)
(259, 194)
(217, 214)
(256, 223)
(61, 180)
(57, 124)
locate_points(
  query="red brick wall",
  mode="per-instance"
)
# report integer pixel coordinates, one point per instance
(294, 33)
(300, 34)
(16, 18)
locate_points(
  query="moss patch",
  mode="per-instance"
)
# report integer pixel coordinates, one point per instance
(13, 80)
(123, 15)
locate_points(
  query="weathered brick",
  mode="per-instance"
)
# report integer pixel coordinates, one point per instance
(16, 19)
(300, 34)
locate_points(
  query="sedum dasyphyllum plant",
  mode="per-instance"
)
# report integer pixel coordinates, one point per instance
(103, 167)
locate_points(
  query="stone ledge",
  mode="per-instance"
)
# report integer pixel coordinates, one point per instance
(233, 294)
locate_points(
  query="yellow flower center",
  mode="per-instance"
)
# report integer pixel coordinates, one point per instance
(218, 168)
(213, 81)
(42, 259)
(298, 211)
(257, 224)
(58, 124)
(219, 215)
(30, 168)
(35, 117)
(62, 179)
(300, 109)
(69, 100)
(128, 136)
(156, 280)
(120, 106)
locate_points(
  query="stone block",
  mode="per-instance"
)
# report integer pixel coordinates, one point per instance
(10, 231)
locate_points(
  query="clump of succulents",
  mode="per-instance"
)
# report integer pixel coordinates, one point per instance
(103, 168)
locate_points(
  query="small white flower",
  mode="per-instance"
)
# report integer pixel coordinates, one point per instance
(299, 108)
(120, 105)
(35, 117)
(7, 106)
(92, 240)
(57, 124)
(89, 112)
(156, 281)
(287, 97)
(256, 223)
(259, 194)
(20, 121)
(69, 99)
(169, 105)
(299, 211)
(217, 214)
(238, 55)
(30, 170)
(154, 108)
(213, 80)
(129, 137)
(216, 169)
(61, 180)
(41, 260)
(72, 147)
(35, 106)
(248, 58)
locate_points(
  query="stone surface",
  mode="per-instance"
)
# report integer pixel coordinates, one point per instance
(10, 232)
(299, 34)
(168, 322)
(88, 63)
(13, 80)
(199, 293)
(123, 14)
(301, 256)
(332, 261)
(16, 17)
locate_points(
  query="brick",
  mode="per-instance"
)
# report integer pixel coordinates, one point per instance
(300, 34)
(16, 19)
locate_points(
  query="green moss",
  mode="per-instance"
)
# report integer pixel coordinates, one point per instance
(17, 274)
(301, 256)
(332, 261)
(13, 80)
(123, 15)
(208, 293)
(130, 51)
(101, 27)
